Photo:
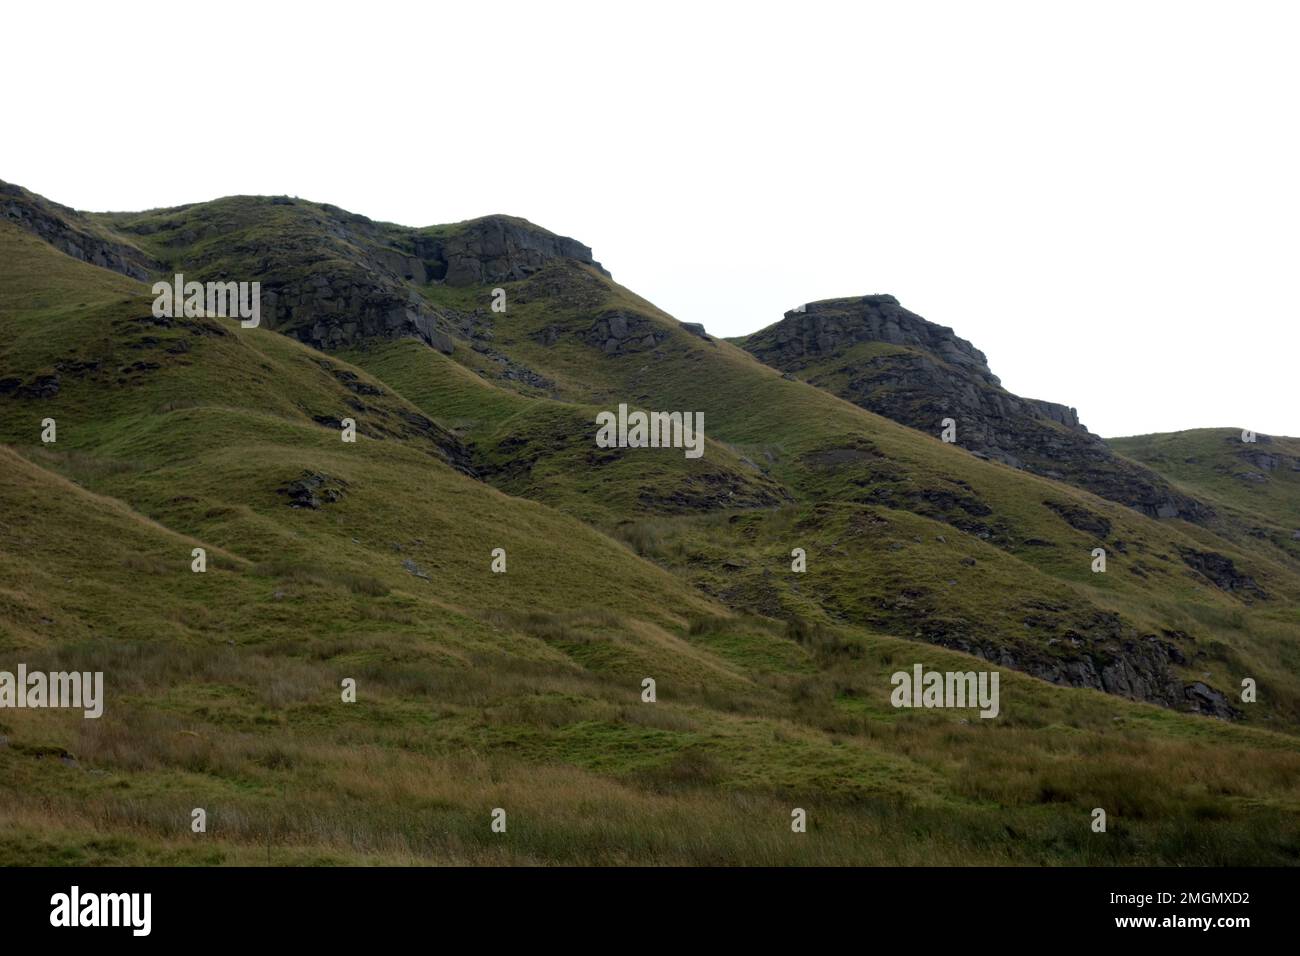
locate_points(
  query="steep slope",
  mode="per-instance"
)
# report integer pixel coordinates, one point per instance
(876, 354)
(522, 690)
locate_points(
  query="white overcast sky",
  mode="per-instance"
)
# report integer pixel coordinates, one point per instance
(1101, 196)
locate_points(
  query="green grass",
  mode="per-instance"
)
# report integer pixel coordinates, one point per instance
(1260, 480)
(523, 690)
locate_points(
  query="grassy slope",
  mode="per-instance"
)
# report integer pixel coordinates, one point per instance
(479, 690)
(1235, 475)
(910, 486)
(543, 449)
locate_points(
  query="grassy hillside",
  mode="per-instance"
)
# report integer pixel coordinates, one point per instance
(1259, 480)
(983, 558)
(522, 690)
(517, 387)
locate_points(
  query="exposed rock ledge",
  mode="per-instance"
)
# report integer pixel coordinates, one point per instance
(67, 230)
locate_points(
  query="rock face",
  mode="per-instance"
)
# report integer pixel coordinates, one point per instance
(824, 327)
(1061, 414)
(496, 249)
(920, 373)
(69, 232)
(618, 331)
(336, 309)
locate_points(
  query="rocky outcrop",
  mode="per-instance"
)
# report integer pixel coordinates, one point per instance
(71, 233)
(336, 309)
(313, 490)
(929, 374)
(1222, 572)
(618, 331)
(1269, 462)
(613, 331)
(825, 327)
(496, 249)
(1098, 651)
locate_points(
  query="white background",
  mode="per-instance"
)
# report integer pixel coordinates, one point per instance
(1101, 196)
